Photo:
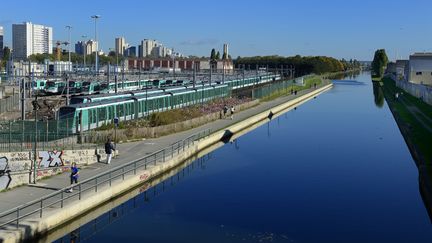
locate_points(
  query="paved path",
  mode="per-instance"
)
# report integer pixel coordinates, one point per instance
(128, 152)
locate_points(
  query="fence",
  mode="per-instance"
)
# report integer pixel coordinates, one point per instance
(18, 142)
(90, 186)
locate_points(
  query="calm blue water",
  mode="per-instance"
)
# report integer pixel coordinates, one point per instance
(335, 170)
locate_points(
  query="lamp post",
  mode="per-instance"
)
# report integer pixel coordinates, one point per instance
(96, 17)
(84, 44)
(70, 42)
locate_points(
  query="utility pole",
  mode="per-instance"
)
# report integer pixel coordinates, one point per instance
(70, 43)
(23, 105)
(67, 88)
(35, 109)
(194, 74)
(211, 72)
(84, 44)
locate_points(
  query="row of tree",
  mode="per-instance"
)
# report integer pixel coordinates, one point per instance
(303, 65)
(379, 63)
(216, 55)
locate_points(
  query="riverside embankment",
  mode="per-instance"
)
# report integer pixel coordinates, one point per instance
(57, 215)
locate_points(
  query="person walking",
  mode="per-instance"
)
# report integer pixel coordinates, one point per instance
(74, 175)
(225, 110)
(109, 148)
(232, 112)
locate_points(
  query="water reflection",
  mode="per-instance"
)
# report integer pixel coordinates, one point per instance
(146, 193)
(378, 95)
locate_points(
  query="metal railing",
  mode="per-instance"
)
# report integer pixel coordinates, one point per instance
(14, 216)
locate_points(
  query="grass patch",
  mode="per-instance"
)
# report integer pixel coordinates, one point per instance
(413, 128)
(308, 83)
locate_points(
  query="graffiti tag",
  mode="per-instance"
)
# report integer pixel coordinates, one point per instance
(5, 177)
(50, 158)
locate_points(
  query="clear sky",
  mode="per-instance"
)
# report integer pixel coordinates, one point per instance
(338, 28)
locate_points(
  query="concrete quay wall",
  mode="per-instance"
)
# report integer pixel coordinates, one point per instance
(56, 217)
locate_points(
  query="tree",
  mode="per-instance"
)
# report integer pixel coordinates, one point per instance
(217, 57)
(213, 54)
(6, 56)
(379, 63)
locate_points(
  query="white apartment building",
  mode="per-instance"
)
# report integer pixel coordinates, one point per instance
(91, 47)
(420, 68)
(29, 39)
(120, 45)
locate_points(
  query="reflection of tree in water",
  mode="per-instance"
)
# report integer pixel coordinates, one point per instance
(378, 95)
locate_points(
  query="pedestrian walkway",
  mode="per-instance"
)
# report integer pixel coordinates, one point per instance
(128, 152)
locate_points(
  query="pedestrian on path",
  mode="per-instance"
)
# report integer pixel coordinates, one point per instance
(109, 148)
(74, 175)
(232, 112)
(314, 85)
(225, 110)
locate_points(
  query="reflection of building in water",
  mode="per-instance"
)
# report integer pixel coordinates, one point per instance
(425, 187)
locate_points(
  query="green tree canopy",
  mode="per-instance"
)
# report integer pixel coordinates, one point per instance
(302, 65)
(217, 57)
(213, 54)
(379, 63)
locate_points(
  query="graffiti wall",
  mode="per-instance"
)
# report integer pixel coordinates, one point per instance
(16, 167)
(5, 177)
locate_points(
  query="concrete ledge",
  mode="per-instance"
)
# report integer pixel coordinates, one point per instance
(53, 218)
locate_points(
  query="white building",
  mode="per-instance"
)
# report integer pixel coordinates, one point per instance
(120, 45)
(91, 47)
(420, 68)
(29, 39)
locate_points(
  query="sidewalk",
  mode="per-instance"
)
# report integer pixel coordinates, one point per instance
(128, 152)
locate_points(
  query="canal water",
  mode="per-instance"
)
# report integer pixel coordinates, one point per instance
(336, 169)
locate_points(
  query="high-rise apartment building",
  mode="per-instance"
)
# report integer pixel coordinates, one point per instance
(120, 45)
(29, 39)
(91, 47)
(147, 48)
(80, 47)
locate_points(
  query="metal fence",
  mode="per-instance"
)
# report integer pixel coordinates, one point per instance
(91, 186)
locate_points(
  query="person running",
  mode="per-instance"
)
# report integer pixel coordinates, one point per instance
(109, 148)
(74, 175)
(225, 110)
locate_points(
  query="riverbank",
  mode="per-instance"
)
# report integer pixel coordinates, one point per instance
(55, 216)
(414, 119)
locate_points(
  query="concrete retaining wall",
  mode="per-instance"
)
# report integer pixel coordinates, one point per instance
(15, 167)
(417, 90)
(56, 217)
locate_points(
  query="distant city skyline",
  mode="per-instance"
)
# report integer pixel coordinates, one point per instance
(334, 28)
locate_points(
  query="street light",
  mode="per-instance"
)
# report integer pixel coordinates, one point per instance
(85, 49)
(70, 42)
(96, 17)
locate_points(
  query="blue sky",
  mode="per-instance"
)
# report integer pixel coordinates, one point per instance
(338, 28)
